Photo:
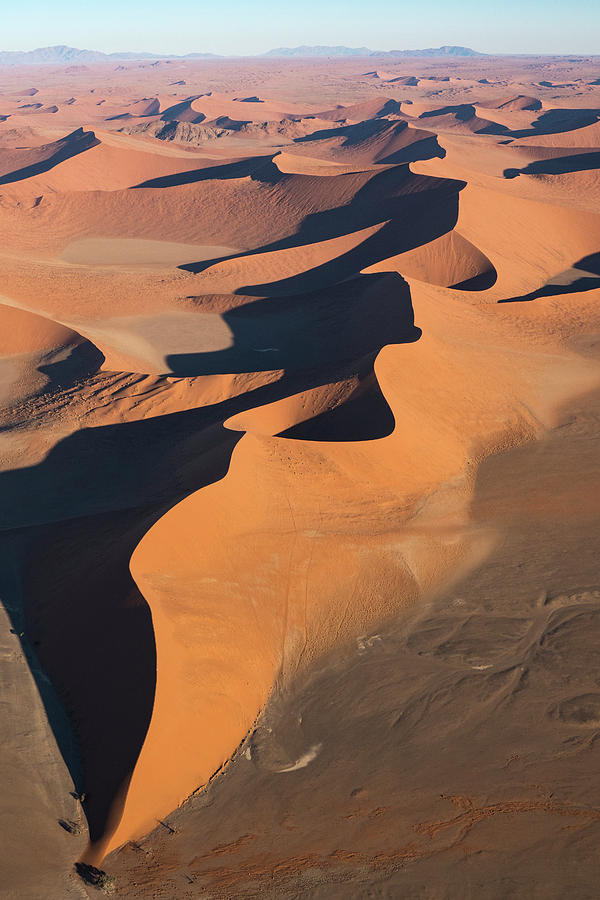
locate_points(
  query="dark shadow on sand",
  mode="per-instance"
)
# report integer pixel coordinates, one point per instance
(553, 121)
(463, 112)
(307, 331)
(561, 165)
(354, 135)
(76, 517)
(393, 194)
(72, 145)
(82, 361)
(584, 276)
(259, 168)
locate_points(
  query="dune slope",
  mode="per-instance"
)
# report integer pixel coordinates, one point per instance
(299, 452)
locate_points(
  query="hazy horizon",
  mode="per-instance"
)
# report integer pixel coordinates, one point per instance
(237, 28)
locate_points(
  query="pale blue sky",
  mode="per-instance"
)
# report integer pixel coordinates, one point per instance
(240, 26)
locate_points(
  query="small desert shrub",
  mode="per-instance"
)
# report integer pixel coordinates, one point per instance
(70, 826)
(96, 877)
(106, 883)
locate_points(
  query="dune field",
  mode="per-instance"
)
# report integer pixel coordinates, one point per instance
(299, 460)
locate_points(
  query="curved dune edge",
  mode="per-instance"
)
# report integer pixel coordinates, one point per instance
(305, 407)
(300, 554)
(243, 271)
(394, 490)
(37, 352)
(290, 163)
(447, 261)
(22, 331)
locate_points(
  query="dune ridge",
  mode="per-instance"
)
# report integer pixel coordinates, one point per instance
(261, 342)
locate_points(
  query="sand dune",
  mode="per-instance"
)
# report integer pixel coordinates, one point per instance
(391, 78)
(24, 332)
(16, 165)
(36, 352)
(313, 620)
(369, 142)
(298, 448)
(183, 112)
(213, 105)
(521, 102)
(358, 112)
(111, 164)
(450, 261)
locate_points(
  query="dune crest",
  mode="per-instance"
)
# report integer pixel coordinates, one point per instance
(266, 330)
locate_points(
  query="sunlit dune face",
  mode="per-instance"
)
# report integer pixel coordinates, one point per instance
(263, 333)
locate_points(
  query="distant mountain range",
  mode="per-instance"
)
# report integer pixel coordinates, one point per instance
(320, 51)
(73, 57)
(63, 55)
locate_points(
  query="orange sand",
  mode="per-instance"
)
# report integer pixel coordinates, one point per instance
(268, 340)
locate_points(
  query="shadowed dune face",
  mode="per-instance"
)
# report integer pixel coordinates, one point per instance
(372, 141)
(559, 120)
(89, 624)
(37, 353)
(260, 352)
(520, 103)
(561, 165)
(106, 729)
(17, 165)
(182, 112)
(348, 322)
(583, 276)
(258, 168)
(449, 261)
(353, 410)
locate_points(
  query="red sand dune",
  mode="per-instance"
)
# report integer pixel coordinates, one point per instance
(299, 458)
(19, 164)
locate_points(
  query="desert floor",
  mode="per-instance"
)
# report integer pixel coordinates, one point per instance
(300, 470)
